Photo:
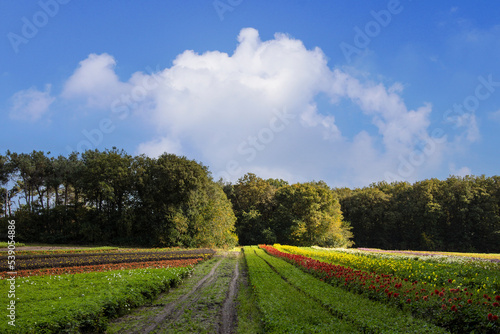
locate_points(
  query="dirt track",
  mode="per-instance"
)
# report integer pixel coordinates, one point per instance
(228, 309)
(203, 303)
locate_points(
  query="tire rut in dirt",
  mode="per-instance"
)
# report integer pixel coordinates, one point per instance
(228, 316)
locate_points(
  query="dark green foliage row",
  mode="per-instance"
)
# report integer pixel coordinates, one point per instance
(457, 214)
(112, 197)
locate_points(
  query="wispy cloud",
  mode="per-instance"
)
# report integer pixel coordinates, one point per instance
(158, 146)
(495, 115)
(468, 122)
(30, 104)
(463, 171)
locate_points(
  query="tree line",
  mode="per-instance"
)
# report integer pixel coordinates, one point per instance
(273, 211)
(103, 197)
(456, 214)
(111, 197)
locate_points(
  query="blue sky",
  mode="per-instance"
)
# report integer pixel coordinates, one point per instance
(349, 93)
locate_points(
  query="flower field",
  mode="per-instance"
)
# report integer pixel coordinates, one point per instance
(478, 276)
(294, 289)
(458, 297)
(445, 255)
(58, 260)
(75, 292)
(104, 267)
(293, 301)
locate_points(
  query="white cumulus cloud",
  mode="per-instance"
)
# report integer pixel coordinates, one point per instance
(95, 81)
(257, 110)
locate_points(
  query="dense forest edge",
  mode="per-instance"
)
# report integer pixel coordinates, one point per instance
(110, 197)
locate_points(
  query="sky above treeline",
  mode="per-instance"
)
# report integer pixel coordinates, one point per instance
(346, 92)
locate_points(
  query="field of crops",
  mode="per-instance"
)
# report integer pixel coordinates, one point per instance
(78, 291)
(375, 293)
(84, 259)
(292, 290)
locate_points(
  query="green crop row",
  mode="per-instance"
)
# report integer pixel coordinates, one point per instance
(283, 308)
(367, 315)
(82, 302)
